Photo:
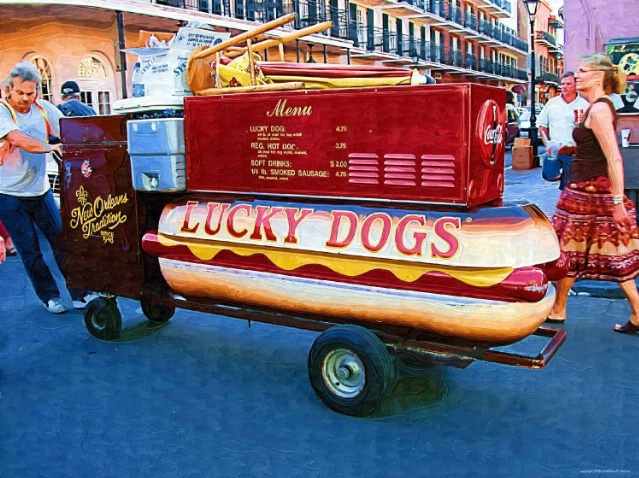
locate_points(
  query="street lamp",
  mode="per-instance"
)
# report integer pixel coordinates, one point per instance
(531, 6)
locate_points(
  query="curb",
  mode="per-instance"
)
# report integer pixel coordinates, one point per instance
(602, 289)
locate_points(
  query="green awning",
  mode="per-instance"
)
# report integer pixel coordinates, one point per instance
(548, 77)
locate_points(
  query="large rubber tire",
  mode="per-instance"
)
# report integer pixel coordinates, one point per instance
(103, 319)
(157, 313)
(350, 370)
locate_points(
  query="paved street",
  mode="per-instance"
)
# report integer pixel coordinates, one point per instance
(209, 396)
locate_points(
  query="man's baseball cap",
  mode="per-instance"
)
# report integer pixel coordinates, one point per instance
(70, 88)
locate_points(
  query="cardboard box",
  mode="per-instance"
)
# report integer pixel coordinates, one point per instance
(522, 158)
(521, 142)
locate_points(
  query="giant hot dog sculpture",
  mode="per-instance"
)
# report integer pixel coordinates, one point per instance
(473, 276)
(379, 205)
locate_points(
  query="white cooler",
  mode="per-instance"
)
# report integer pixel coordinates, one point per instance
(156, 148)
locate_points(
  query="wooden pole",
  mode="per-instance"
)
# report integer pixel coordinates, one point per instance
(251, 61)
(320, 27)
(278, 22)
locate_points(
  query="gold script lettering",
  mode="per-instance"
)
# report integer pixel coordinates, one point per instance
(281, 110)
(97, 216)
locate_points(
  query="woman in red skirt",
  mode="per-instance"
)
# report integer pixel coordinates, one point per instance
(594, 221)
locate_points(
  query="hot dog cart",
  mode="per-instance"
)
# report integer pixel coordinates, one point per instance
(372, 215)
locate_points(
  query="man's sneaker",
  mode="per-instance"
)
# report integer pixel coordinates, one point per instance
(84, 301)
(54, 305)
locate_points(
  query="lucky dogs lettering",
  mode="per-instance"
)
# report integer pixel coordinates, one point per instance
(410, 234)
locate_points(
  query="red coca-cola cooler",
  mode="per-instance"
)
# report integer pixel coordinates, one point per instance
(441, 144)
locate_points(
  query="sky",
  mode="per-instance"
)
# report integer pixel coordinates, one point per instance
(512, 23)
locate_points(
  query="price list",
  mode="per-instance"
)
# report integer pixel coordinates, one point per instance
(280, 156)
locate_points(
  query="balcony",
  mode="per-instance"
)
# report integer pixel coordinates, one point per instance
(308, 14)
(546, 39)
(376, 42)
(557, 52)
(555, 22)
(440, 13)
(471, 22)
(498, 8)
(470, 62)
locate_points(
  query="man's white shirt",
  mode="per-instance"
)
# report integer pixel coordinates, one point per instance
(24, 174)
(559, 117)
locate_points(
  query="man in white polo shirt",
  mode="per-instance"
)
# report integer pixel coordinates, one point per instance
(558, 119)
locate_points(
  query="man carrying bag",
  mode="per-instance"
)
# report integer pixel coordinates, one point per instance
(556, 122)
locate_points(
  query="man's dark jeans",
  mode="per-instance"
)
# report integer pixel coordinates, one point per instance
(565, 169)
(20, 216)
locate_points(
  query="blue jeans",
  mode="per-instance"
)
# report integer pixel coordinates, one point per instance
(20, 216)
(565, 169)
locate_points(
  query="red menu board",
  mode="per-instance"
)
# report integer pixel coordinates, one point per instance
(409, 143)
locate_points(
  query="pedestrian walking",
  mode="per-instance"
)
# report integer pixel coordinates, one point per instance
(26, 200)
(557, 120)
(71, 105)
(594, 221)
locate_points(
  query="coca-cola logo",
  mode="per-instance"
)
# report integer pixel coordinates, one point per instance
(491, 132)
(494, 135)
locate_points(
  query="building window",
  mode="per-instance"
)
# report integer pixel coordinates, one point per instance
(104, 103)
(87, 97)
(91, 67)
(45, 74)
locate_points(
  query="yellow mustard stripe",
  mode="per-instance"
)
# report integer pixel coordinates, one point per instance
(350, 266)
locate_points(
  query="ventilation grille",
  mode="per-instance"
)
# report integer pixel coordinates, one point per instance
(438, 171)
(363, 168)
(434, 171)
(400, 170)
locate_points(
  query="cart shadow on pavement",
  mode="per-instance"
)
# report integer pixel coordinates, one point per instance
(414, 389)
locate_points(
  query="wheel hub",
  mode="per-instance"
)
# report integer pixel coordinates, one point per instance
(343, 373)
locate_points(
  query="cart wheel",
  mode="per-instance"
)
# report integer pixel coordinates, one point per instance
(103, 319)
(350, 370)
(158, 313)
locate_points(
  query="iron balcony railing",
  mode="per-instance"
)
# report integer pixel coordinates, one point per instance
(471, 22)
(377, 39)
(311, 12)
(470, 62)
(503, 4)
(548, 37)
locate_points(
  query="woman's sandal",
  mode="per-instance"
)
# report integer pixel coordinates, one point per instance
(629, 328)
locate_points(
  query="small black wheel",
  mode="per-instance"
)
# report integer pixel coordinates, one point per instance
(103, 319)
(158, 313)
(350, 370)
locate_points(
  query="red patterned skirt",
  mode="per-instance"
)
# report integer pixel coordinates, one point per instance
(595, 247)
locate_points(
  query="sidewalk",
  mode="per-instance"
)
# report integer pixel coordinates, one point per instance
(530, 186)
